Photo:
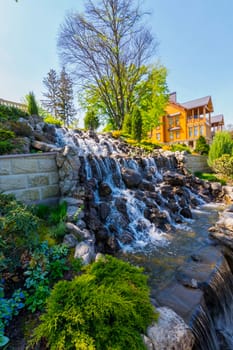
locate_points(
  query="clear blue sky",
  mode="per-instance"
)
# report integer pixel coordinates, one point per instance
(195, 44)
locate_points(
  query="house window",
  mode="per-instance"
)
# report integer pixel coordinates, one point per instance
(202, 130)
(190, 132)
(177, 121)
(158, 136)
(177, 134)
(157, 127)
(195, 130)
(171, 135)
(170, 121)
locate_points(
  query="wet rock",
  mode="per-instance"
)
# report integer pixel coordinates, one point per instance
(72, 201)
(45, 147)
(93, 221)
(126, 237)
(113, 244)
(198, 272)
(104, 210)
(148, 342)
(131, 177)
(78, 232)
(171, 332)
(104, 189)
(146, 185)
(228, 193)
(173, 179)
(70, 240)
(181, 299)
(167, 191)
(72, 212)
(120, 204)
(85, 251)
(222, 232)
(186, 213)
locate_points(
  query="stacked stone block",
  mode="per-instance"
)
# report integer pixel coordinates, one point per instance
(31, 177)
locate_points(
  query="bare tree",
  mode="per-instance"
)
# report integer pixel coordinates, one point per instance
(106, 47)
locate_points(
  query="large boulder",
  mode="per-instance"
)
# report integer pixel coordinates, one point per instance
(104, 189)
(85, 251)
(173, 178)
(131, 177)
(170, 333)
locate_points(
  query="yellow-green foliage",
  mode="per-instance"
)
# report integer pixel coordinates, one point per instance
(51, 120)
(224, 165)
(116, 134)
(107, 307)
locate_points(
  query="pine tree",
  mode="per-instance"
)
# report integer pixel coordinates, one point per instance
(65, 106)
(51, 83)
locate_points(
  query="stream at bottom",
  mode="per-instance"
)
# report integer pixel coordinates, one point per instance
(213, 331)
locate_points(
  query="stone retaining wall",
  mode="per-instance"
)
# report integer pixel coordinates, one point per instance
(31, 177)
(197, 163)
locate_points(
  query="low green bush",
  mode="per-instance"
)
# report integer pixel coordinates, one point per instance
(180, 147)
(54, 214)
(6, 135)
(9, 307)
(11, 113)
(46, 266)
(18, 231)
(107, 307)
(5, 147)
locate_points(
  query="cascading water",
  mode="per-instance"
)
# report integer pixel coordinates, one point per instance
(145, 207)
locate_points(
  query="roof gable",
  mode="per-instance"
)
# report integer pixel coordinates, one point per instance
(200, 102)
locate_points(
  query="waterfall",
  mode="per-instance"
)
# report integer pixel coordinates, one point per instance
(139, 207)
(212, 324)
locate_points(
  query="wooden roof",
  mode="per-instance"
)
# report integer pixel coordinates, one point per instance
(200, 102)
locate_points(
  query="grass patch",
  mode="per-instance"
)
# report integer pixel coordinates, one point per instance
(209, 177)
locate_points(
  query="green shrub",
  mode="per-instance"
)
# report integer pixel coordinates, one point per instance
(8, 309)
(18, 231)
(202, 147)
(11, 113)
(58, 231)
(224, 165)
(107, 307)
(6, 135)
(180, 147)
(5, 147)
(55, 213)
(58, 213)
(46, 266)
(222, 144)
